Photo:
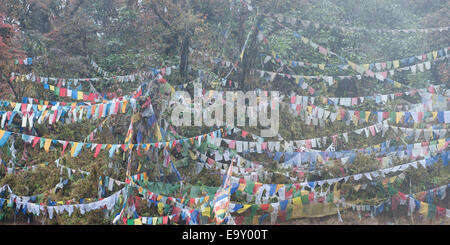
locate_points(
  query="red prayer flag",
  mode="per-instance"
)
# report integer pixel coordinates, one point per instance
(97, 150)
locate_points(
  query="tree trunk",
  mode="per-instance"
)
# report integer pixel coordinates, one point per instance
(184, 57)
(10, 85)
(250, 54)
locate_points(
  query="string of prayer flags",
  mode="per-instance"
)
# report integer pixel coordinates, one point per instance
(23, 203)
(23, 61)
(416, 115)
(308, 23)
(361, 69)
(355, 101)
(248, 186)
(32, 113)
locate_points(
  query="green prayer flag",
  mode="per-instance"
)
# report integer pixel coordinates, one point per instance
(194, 191)
(362, 115)
(248, 220)
(391, 189)
(431, 211)
(166, 208)
(249, 187)
(388, 65)
(289, 212)
(254, 208)
(305, 199)
(238, 193)
(329, 198)
(392, 116)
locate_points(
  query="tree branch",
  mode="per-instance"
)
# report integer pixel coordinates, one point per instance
(164, 21)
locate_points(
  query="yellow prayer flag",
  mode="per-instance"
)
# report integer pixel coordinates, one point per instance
(206, 211)
(47, 144)
(441, 143)
(305, 40)
(367, 116)
(160, 208)
(158, 133)
(396, 63)
(297, 202)
(243, 209)
(124, 106)
(297, 209)
(366, 66)
(52, 88)
(138, 221)
(423, 208)
(322, 66)
(80, 95)
(434, 113)
(398, 117)
(435, 54)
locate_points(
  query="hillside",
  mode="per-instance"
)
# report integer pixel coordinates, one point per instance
(292, 112)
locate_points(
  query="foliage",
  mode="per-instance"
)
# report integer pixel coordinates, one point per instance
(129, 36)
